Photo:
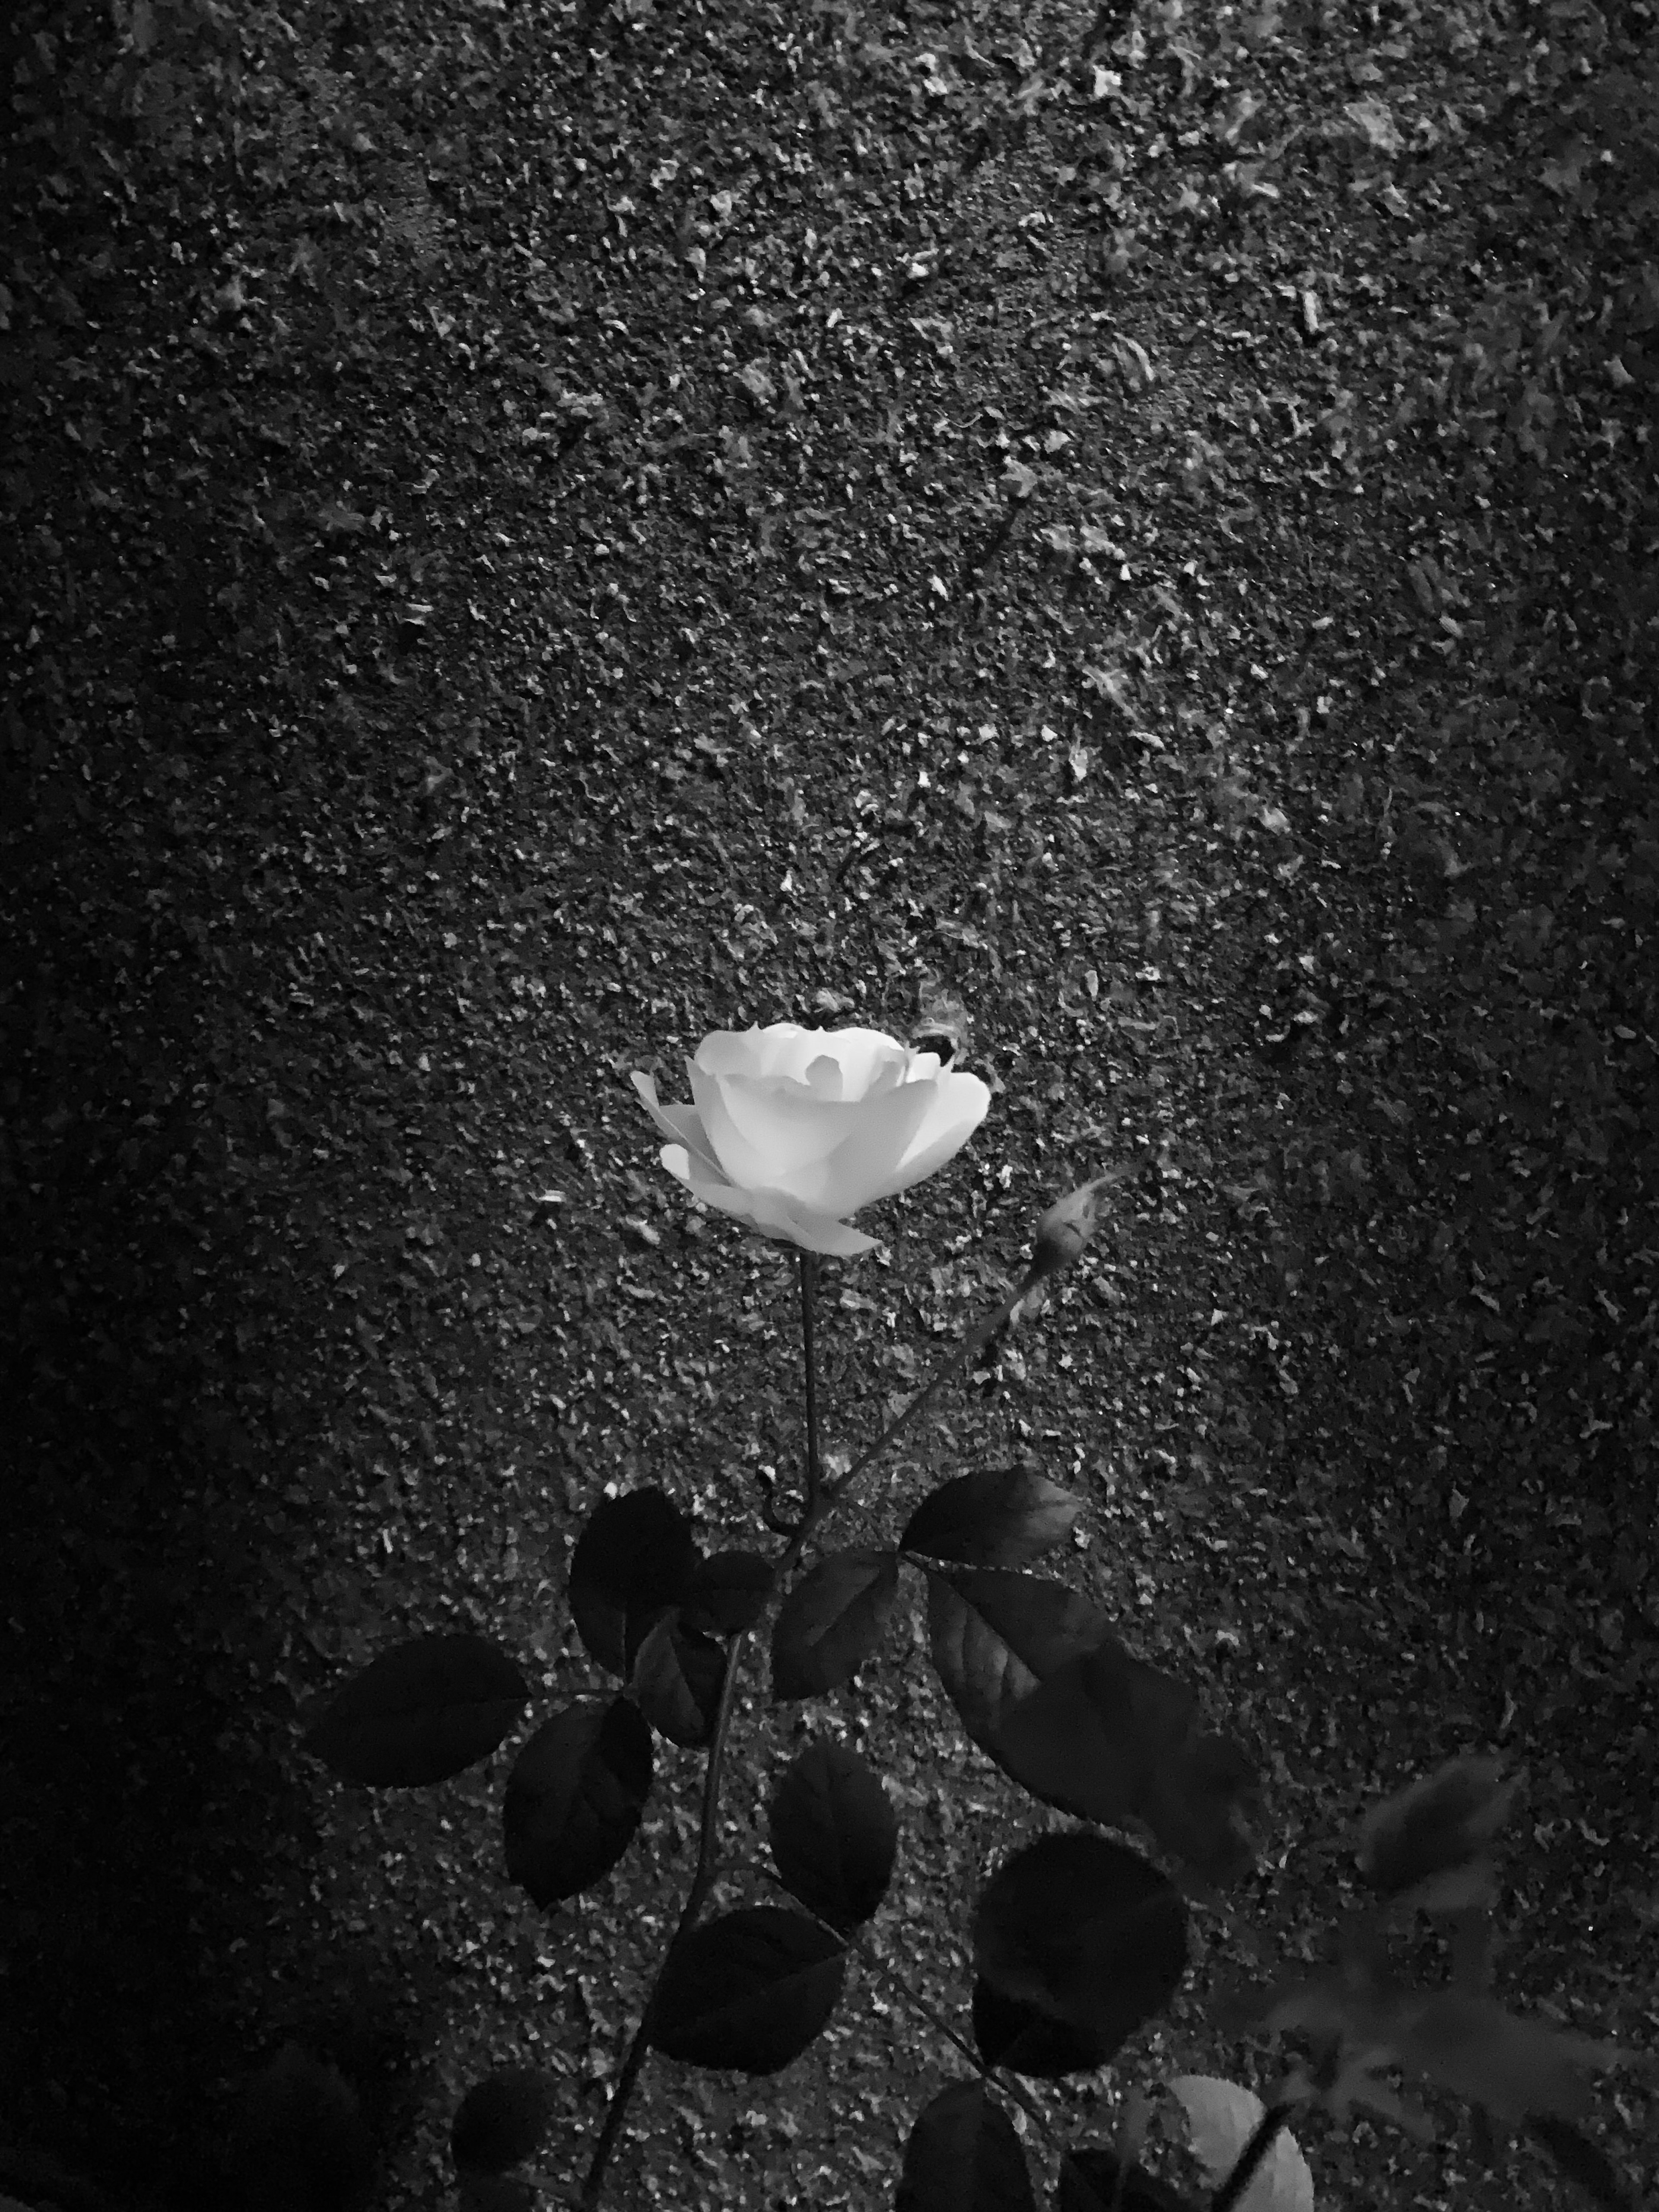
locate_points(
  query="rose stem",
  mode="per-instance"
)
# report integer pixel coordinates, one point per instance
(819, 1507)
(809, 1285)
(971, 1343)
(703, 1882)
(1016, 2088)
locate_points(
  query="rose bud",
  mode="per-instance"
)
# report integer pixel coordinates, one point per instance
(1065, 1228)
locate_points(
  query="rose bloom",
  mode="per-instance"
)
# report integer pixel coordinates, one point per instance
(792, 1129)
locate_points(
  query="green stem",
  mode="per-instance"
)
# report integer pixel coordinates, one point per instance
(702, 1881)
(964, 1354)
(821, 1500)
(917, 2004)
(809, 1285)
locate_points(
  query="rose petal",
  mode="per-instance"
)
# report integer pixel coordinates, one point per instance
(861, 1167)
(742, 1160)
(870, 1061)
(769, 1130)
(680, 1122)
(783, 1048)
(771, 1211)
(957, 1106)
(793, 1129)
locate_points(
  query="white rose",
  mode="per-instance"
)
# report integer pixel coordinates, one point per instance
(793, 1129)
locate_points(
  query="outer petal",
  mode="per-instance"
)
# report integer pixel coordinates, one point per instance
(752, 1146)
(680, 1122)
(767, 1129)
(771, 1211)
(862, 1168)
(958, 1105)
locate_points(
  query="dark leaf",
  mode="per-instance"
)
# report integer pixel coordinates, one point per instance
(1089, 2182)
(1086, 1931)
(503, 2119)
(1583, 2161)
(676, 1679)
(1002, 1518)
(1205, 1806)
(748, 1990)
(728, 1594)
(1089, 1738)
(964, 2156)
(420, 1712)
(496, 2192)
(574, 1797)
(301, 2139)
(995, 1635)
(1518, 2069)
(631, 1562)
(833, 1833)
(1013, 2033)
(1442, 1825)
(1111, 1738)
(831, 1622)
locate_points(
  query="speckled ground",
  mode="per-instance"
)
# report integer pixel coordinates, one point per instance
(539, 539)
